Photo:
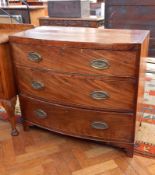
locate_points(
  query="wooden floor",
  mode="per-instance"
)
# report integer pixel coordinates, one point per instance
(40, 152)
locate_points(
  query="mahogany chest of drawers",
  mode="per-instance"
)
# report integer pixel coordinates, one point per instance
(82, 82)
(135, 14)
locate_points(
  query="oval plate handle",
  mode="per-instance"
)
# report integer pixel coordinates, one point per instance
(99, 95)
(100, 64)
(37, 85)
(34, 56)
(99, 125)
(40, 114)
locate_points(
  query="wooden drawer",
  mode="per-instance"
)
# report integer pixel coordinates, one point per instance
(74, 60)
(79, 122)
(84, 91)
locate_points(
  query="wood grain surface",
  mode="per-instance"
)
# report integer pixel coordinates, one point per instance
(92, 21)
(8, 29)
(61, 91)
(8, 89)
(6, 73)
(82, 37)
(74, 60)
(41, 152)
(76, 90)
(78, 122)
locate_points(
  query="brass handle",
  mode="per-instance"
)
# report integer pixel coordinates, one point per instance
(34, 56)
(99, 125)
(99, 95)
(40, 114)
(37, 85)
(100, 64)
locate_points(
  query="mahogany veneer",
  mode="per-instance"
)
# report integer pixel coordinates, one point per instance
(82, 82)
(80, 120)
(7, 85)
(122, 95)
(75, 65)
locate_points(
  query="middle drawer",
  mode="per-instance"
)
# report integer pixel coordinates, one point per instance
(84, 91)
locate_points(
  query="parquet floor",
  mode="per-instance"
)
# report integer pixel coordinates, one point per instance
(40, 152)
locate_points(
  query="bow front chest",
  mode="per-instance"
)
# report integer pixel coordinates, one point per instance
(82, 82)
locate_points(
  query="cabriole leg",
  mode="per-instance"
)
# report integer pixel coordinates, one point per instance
(9, 106)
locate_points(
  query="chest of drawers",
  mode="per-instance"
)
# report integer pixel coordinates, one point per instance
(82, 82)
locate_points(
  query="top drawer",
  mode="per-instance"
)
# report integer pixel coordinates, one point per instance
(75, 60)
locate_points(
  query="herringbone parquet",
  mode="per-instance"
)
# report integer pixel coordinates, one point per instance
(40, 152)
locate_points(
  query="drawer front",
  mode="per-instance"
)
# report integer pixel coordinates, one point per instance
(79, 122)
(84, 91)
(82, 61)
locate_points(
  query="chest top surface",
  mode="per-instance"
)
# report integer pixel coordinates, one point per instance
(81, 37)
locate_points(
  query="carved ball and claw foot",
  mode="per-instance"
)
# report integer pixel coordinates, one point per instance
(14, 132)
(9, 106)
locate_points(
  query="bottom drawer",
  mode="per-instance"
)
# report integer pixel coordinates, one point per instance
(79, 122)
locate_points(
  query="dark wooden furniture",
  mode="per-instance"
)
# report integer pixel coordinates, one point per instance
(135, 14)
(69, 8)
(7, 85)
(28, 17)
(92, 21)
(82, 82)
